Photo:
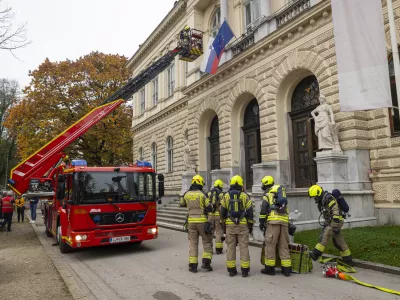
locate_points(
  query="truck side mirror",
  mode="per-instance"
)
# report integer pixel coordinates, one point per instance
(161, 188)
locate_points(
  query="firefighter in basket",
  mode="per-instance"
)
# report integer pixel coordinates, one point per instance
(275, 212)
(237, 214)
(333, 222)
(199, 205)
(216, 195)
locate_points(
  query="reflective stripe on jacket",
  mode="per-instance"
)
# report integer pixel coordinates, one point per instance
(247, 204)
(197, 203)
(6, 205)
(274, 216)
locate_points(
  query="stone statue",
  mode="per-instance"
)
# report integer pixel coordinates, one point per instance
(325, 127)
(186, 156)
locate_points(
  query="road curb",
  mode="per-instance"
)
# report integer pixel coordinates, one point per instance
(357, 263)
(61, 266)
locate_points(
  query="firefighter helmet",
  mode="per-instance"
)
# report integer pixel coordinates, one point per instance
(315, 191)
(237, 180)
(197, 179)
(218, 183)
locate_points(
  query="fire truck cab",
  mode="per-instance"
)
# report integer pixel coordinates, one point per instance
(96, 206)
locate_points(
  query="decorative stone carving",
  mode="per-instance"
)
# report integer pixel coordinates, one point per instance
(186, 157)
(325, 127)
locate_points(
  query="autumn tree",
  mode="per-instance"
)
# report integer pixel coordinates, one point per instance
(60, 93)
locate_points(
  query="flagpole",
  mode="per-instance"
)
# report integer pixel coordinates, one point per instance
(395, 49)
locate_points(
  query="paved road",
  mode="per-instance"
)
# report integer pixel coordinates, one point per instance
(158, 270)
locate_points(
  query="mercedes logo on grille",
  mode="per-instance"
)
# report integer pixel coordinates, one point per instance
(119, 218)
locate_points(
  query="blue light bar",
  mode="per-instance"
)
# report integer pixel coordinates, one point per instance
(140, 163)
(79, 163)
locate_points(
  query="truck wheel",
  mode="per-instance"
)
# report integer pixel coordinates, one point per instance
(64, 248)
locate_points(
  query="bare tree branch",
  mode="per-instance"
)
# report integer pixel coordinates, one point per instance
(11, 38)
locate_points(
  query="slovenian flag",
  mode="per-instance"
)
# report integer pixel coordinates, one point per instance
(215, 49)
(210, 61)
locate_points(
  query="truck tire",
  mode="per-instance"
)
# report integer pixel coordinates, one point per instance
(64, 247)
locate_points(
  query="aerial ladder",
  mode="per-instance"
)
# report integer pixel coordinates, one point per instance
(35, 174)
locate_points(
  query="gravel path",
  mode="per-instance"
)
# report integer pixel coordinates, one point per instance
(25, 270)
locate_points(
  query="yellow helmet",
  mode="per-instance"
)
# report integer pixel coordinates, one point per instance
(187, 27)
(218, 183)
(237, 180)
(197, 179)
(315, 191)
(267, 180)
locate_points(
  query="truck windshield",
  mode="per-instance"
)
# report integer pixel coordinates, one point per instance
(113, 187)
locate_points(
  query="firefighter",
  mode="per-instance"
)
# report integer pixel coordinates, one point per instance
(199, 206)
(237, 214)
(332, 214)
(7, 209)
(215, 196)
(274, 211)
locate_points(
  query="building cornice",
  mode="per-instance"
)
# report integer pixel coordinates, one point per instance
(178, 105)
(159, 33)
(264, 47)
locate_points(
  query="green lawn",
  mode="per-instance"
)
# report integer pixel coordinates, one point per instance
(375, 244)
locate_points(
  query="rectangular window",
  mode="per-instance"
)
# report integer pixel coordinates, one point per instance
(251, 12)
(171, 80)
(155, 91)
(142, 101)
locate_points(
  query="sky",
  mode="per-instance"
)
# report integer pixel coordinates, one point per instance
(61, 29)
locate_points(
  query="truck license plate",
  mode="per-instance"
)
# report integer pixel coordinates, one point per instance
(120, 239)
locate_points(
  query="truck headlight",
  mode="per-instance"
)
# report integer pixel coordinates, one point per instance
(152, 231)
(81, 237)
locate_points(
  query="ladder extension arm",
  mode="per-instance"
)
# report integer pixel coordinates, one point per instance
(36, 165)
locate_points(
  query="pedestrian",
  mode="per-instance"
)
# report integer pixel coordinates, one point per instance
(275, 212)
(237, 215)
(333, 223)
(20, 204)
(199, 206)
(7, 209)
(215, 195)
(32, 206)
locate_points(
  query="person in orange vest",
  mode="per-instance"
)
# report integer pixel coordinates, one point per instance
(7, 209)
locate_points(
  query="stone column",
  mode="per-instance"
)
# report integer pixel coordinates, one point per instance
(224, 10)
(332, 170)
(224, 175)
(265, 8)
(186, 181)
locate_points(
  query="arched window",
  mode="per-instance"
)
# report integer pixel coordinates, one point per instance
(140, 153)
(305, 142)
(215, 22)
(170, 154)
(394, 113)
(154, 155)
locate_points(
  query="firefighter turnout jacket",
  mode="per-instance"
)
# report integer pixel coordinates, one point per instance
(198, 204)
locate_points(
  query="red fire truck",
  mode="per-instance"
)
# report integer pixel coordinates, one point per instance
(94, 206)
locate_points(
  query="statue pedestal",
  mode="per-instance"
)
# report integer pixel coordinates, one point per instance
(186, 181)
(332, 170)
(224, 175)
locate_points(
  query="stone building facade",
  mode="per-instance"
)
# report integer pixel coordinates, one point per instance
(253, 117)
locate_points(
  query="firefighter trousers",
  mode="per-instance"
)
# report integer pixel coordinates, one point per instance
(219, 232)
(237, 235)
(277, 236)
(337, 239)
(194, 231)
